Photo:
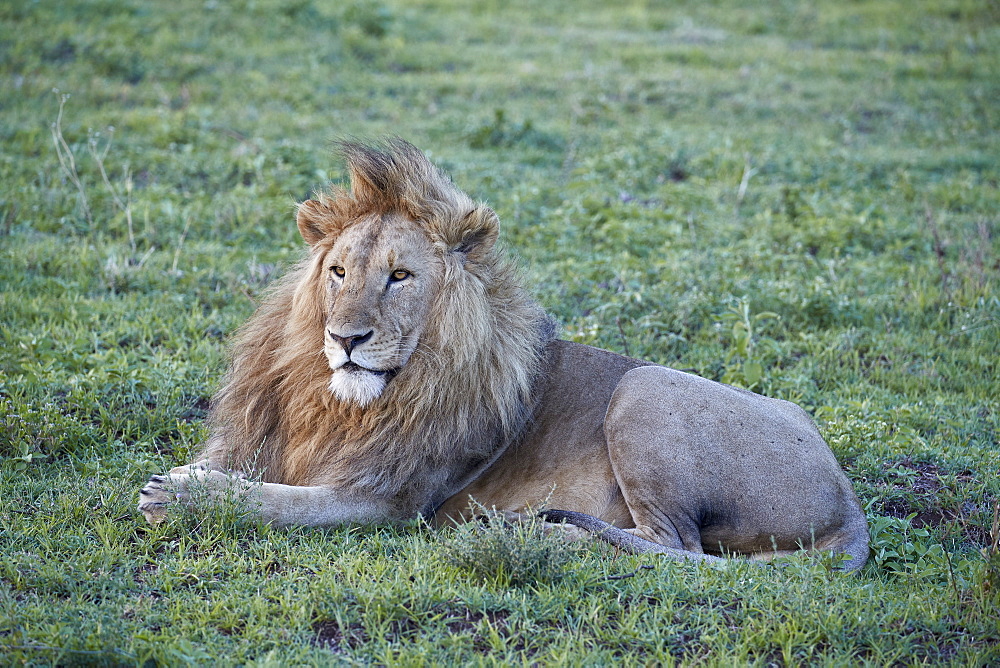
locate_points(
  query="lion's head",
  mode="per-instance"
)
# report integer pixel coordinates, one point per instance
(383, 251)
(405, 331)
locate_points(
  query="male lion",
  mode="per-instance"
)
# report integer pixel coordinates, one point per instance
(402, 369)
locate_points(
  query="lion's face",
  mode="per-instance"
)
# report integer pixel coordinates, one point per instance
(381, 276)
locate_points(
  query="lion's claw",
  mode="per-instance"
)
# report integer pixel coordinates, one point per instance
(152, 507)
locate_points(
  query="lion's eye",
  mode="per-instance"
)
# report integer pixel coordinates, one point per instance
(338, 271)
(399, 275)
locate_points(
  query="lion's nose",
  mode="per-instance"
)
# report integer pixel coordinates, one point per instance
(349, 343)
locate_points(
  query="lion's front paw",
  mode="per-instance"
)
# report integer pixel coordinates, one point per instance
(185, 482)
(157, 494)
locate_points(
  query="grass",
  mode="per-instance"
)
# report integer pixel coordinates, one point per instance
(800, 198)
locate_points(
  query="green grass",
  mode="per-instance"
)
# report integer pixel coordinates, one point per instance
(800, 198)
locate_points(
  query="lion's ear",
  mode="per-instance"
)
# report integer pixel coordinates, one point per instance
(477, 233)
(313, 221)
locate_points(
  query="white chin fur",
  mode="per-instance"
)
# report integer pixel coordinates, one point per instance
(358, 386)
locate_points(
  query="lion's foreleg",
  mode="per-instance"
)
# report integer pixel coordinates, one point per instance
(286, 505)
(275, 504)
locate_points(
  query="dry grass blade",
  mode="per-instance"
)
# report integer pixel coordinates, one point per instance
(66, 160)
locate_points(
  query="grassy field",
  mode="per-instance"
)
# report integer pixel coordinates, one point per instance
(799, 198)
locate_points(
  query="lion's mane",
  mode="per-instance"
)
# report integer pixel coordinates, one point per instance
(466, 392)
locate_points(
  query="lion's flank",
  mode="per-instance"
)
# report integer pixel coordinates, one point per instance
(466, 391)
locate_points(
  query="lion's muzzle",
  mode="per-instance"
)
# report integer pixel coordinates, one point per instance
(349, 343)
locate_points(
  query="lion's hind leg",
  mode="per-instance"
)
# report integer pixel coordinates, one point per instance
(727, 471)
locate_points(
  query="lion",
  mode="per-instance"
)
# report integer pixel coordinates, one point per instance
(401, 369)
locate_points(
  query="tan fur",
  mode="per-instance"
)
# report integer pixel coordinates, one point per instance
(404, 289)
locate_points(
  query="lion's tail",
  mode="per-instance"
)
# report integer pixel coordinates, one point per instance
(621, 538)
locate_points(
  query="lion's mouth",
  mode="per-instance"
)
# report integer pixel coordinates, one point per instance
(354, 367)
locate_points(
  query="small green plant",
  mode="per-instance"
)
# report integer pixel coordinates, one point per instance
(498, 132)
(502, 133)
(215, 505)
(990, 584)
(899, 548)
(373, 18)
(744, 366)
(22, 455)
(30, 433)
(508, 553)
